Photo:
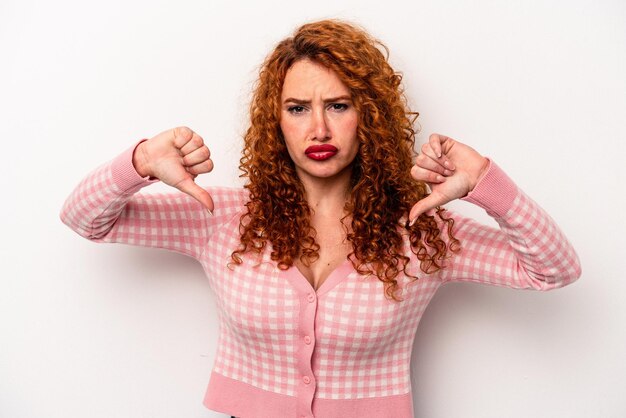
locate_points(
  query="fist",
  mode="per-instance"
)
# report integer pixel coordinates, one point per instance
(176, 157)
(450, 168)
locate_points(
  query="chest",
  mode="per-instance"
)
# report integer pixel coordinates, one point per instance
(257, 301)
(349, 313)
(330, 258)
(334, 249)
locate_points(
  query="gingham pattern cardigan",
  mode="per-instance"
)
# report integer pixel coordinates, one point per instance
(343, 351)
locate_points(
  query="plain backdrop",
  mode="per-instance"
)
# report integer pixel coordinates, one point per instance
(92, 330)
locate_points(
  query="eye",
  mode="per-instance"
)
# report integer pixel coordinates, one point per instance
(295, 109)
(339, 106)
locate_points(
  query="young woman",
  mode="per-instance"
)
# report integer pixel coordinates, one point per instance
(323, 264)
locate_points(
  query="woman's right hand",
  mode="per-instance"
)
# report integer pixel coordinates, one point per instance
(176, 157)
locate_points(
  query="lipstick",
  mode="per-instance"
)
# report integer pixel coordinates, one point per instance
(321, 152)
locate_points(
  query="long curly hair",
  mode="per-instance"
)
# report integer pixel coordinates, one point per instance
(382, 189)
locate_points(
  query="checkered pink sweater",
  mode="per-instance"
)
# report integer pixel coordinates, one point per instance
(286, 350)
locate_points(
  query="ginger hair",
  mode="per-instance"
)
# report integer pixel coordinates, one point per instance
(382, 189)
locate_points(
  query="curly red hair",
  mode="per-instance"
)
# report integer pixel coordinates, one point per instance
(382, 189)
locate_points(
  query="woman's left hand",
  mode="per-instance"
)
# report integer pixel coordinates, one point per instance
(450, 168)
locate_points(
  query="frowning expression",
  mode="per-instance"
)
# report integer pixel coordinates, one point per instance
(318, 121)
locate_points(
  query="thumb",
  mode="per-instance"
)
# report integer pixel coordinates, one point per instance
(192, 189)
(423, 205)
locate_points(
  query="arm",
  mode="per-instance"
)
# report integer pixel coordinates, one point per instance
(529, 250)
(105, 206)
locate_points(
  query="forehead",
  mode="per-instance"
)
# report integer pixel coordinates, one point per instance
(306, 79)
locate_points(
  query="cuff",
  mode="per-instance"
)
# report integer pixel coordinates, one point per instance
(124, 173)
(494, 192)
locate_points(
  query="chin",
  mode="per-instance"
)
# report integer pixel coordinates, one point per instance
(329, 174)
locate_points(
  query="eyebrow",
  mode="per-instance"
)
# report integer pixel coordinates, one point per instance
(332, 99)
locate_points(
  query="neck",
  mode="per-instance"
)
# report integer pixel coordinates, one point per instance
(327, 196)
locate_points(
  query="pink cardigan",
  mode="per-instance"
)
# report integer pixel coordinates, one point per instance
(343, 351)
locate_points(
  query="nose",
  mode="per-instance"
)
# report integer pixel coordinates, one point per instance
(321, 130)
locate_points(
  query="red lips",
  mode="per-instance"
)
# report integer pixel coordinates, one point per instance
(321, 152)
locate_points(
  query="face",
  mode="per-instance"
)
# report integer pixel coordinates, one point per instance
(318, 121)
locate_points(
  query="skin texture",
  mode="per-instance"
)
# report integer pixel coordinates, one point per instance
(294, 203)
(278, 217)
(176, 157)
(450, 168)
(311, 119)
(317, 109)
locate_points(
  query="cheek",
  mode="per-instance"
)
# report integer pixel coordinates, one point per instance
(286, 134)
(355, 139)
(289, 129)
(289, 137)
(349, 128)
(349, 124)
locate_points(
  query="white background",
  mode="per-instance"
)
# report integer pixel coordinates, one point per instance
(89, 330)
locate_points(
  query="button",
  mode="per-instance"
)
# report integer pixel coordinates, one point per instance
(311, 297)
(306, 379)
(307, 339)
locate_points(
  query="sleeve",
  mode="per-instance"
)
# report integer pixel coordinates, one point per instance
(529, 251)
(106, 207)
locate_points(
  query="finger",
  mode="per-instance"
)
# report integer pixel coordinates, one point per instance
(182, 135)
(197, 192)
(426, 175)
(435, 143)
(201, 168)
(439, 155)
(428, 151)
(422, 161)
(424, 205)
(193, 144)
(446, 145)
(197, 156)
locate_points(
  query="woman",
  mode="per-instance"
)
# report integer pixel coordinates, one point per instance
(324, 263)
